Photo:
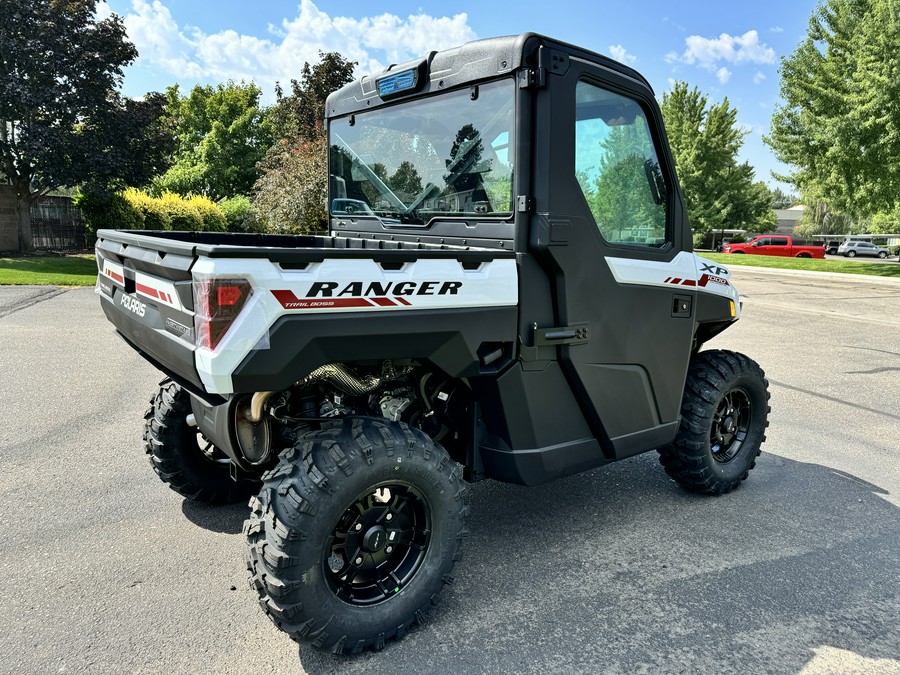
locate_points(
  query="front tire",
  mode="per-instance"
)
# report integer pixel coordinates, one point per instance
(183, 458)
(355, 533)
(851, 254)
(882, 255)
(724, 415)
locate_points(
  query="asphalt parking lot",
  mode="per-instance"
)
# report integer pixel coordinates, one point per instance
(105, 570)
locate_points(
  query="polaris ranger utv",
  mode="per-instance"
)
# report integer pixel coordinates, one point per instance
(508, 291)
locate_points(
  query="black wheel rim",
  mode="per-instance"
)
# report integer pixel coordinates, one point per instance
(378, 544)
(209, 451)
(206, 449)
(730, 425)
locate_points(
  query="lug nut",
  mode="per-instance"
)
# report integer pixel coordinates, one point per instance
(359, 561)
(389, 516)
(389, 549)
(358, 527)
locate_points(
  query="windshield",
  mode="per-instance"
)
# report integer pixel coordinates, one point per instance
(444, 156)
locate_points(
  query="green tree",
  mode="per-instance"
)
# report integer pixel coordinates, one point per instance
(783, 200)
(300, 113)
(222, 135)
(63, 122)
(291, 193)
(719, 192)
(885, 223)
(406, 182)
(620, 198)
(820, 218)
(839, 125)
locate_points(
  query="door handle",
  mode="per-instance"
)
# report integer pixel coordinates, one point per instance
(576, 334)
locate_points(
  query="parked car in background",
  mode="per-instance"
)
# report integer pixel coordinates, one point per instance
(832, 246)
(851, 249)
(780, 245)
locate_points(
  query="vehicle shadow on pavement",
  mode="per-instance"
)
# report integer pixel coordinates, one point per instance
(619, 570)
(227, 519)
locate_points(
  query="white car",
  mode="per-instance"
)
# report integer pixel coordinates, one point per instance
(851, 249)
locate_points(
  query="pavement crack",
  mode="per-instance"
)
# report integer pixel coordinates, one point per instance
(872, 349)
(41, 296)
(834, 399)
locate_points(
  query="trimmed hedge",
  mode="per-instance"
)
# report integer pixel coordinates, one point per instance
(211, 215)
(134, 209)
(110, 211)
(156, 216)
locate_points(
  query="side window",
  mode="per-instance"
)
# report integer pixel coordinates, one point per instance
(779, 241)
(618, 169)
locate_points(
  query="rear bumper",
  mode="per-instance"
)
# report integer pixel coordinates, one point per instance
(147, 335)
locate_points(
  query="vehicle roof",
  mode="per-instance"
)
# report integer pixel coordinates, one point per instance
(469, 63)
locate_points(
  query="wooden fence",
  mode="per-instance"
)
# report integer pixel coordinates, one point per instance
(57, 225)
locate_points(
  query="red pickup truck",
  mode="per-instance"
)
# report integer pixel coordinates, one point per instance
(781, 245)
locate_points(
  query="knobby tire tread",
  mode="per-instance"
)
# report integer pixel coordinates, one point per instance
(293, 495)
(687, 459)
(166, 446)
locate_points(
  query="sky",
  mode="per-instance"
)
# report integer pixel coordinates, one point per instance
(728, 50)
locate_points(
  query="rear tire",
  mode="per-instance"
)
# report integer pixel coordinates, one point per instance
(355, 533)
(882, 255)
(804, 255)
(724, 415)
(183, 458)
(850, 254)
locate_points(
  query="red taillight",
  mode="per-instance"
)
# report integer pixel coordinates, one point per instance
(217, 303)
(228, 295)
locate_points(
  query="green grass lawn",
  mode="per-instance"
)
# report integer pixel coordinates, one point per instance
(846, 266)
(75, 270)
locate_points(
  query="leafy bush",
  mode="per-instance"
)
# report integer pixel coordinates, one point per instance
(180, 179)
(210, 214)
(107, 211)
(183, 214)
(154, 213)
(136, 210)
(291, 194)
(240, 213)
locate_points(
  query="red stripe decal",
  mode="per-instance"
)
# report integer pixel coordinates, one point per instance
(668, 279)
(384, 302)
(403, 301)
(676, 280)
(703, 281)
(290, 301)
(146, 290)
(689, 282)
(115, 276)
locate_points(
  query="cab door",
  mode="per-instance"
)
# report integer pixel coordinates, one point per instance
(775, 246)
(611, 231)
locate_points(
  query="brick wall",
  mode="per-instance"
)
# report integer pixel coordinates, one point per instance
(9, 238)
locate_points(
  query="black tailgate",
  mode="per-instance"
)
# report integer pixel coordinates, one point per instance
(147, 294)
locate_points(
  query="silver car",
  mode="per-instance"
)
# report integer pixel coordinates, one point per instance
(851, 249)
